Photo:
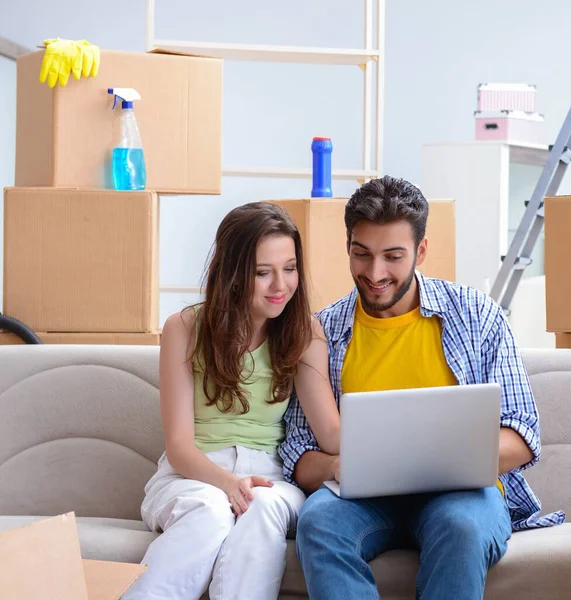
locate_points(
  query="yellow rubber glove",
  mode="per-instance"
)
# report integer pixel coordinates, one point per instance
(91, 59)
(63, 57)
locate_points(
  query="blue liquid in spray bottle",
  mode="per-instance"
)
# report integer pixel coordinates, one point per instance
(129, 171)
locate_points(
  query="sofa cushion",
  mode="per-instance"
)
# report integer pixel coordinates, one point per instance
(121, 540)
(535, 566)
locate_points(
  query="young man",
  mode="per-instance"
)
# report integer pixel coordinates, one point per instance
(396, 330)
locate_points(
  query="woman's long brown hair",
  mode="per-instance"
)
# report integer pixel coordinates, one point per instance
(225, 324)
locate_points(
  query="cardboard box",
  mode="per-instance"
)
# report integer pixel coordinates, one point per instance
(65, 136)
(79, 260)
(440, 259)
(114, 339)
(557, 210)
(322, 229)
(43, 561)
(563, 340)
(323, 235)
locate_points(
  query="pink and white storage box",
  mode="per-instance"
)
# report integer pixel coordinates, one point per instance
(511, 126)
(507, 96)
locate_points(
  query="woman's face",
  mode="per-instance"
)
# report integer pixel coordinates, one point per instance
(276, 276)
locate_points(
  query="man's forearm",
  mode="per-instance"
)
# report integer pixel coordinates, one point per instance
(313, 468)
(514, 452)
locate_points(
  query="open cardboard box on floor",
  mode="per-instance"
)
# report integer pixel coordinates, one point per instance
(43, 560)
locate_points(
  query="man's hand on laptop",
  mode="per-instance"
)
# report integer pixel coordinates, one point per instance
(313, 468)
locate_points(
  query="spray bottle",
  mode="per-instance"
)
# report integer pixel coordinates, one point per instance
(129, 171)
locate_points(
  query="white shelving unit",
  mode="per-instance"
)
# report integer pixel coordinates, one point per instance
(284, 173)
(12, 50)
(490, 181)
(289, 54)
(370, 59)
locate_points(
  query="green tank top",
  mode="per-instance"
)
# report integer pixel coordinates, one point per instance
(261, 428)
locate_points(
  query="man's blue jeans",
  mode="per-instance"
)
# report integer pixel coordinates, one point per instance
(460, 535)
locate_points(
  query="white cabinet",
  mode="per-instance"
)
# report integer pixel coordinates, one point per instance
(490, 182)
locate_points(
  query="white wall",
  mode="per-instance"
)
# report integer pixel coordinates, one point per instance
(439, 51)
(436, 54)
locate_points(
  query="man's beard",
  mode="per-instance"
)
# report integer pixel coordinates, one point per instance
(377, 307)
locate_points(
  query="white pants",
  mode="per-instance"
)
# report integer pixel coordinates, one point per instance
(204, 544)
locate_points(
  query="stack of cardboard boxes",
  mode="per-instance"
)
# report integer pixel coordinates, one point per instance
(557, 210)
(80, 259)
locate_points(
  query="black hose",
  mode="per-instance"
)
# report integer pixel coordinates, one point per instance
(20, 329)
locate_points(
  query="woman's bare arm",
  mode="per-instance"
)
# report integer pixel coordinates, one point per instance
(314, 392)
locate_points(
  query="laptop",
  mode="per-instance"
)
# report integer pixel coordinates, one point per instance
(418, 440)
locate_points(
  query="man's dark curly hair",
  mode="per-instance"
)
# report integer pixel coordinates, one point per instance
(388, 200)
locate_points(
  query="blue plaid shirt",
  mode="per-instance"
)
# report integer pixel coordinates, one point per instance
(479, 348)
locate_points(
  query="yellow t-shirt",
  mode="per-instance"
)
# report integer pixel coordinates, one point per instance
(395, 353)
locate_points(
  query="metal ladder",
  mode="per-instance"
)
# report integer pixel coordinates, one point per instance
(518, 256)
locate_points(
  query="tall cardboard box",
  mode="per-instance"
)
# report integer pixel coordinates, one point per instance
(42, 561)
(322, 228)
(81, 260)
(557, 210)
(65, 136)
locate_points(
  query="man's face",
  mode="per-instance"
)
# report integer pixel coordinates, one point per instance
(382, 260)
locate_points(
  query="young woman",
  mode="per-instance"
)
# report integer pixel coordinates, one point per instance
(227, 369)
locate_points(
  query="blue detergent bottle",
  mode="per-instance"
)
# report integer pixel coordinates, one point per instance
(129, 172)
(321, 148)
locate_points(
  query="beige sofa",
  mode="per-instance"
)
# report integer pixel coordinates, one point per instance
(80, 431)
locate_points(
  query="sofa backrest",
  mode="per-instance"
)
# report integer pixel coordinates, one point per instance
(80, 428)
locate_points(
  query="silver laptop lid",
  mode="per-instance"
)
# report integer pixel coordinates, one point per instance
(419, 440)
